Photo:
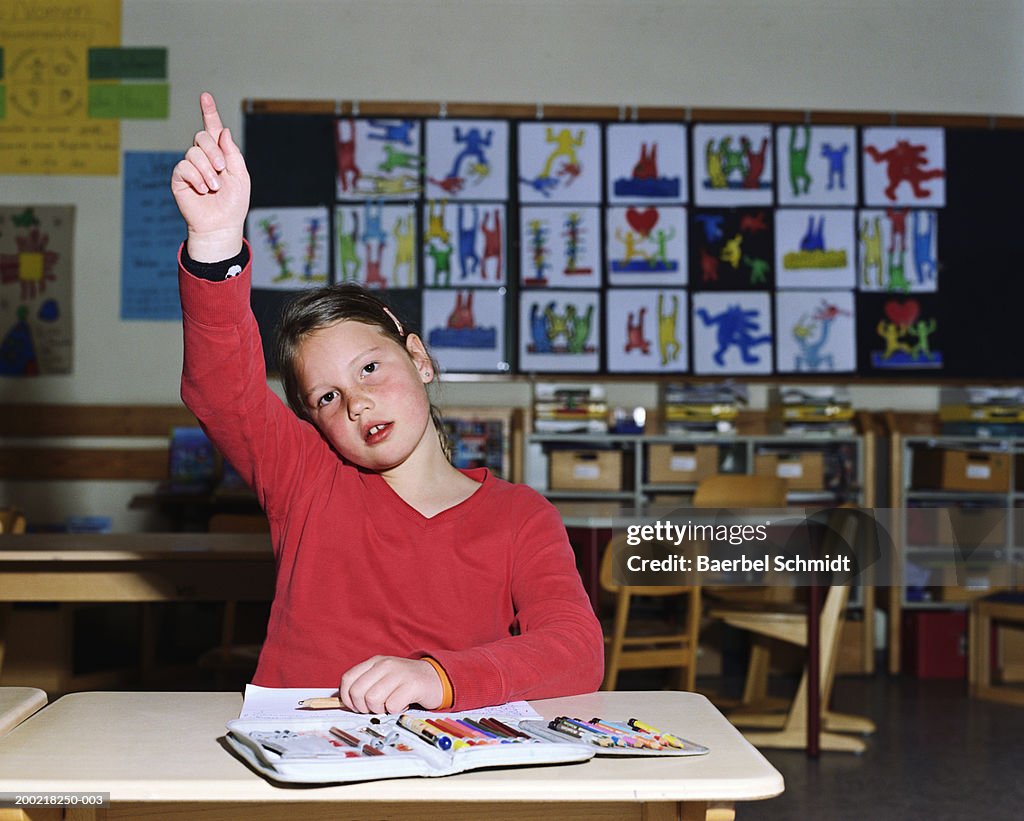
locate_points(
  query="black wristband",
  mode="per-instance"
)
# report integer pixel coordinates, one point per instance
(215, 271)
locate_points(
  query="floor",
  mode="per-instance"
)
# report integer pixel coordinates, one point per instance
(936, 755)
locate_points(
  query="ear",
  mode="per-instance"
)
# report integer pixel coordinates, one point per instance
(420, 358)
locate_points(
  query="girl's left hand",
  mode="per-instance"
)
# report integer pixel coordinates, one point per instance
(389, 684)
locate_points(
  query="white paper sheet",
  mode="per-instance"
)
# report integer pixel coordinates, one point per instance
(282, 703)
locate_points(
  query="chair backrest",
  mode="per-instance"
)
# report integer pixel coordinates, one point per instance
(739, 490)
(11, 520)
(614, 548)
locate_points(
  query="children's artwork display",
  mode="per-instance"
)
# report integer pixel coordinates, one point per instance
(732, 333)
(35, 289)
(289, 247)
(559, 162)
(463, 243)
(378, 158)
(647, 163)
(465, 329)
(815, 248)
(559, 331)
(467, 159)
(897, 250)
(560, 246)
(595, 242)
(646, 245)
(647, 330)
(732, 249)
(816, 332)
(817, 165)
(375, 244)
(904, 166)
(901, 333)
(732, 164)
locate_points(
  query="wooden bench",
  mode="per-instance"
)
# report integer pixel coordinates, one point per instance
(39, 450)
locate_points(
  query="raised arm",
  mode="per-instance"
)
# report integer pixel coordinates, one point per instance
(211, 187)
(224, 381)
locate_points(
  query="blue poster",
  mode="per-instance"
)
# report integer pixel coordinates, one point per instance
(152, 231)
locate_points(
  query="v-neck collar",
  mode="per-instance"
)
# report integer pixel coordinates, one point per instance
(396, 505)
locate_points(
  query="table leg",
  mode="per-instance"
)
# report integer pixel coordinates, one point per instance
(5, 616)
(813, 671)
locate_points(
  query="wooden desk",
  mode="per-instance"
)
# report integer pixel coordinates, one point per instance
(159, 753)
(133, 567)
(17, 704)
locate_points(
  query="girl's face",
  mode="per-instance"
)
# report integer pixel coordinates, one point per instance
(366, 394)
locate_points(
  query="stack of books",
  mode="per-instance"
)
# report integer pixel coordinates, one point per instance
(824, 410)
(565, 408)
(703, 408)
(982, 411)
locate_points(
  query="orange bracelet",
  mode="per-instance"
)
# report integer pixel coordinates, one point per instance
(447, 694)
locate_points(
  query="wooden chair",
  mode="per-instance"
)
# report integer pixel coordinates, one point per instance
(12, 520)
(671, 645)
(231, 657)
(738, 492)
(789, 730)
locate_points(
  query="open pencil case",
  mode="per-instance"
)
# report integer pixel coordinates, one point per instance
(351, 748)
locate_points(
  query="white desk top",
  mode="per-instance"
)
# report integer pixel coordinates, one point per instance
(17, 704)
(167, 747)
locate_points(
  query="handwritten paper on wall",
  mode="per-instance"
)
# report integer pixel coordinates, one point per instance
(46, 127)
(152, 231)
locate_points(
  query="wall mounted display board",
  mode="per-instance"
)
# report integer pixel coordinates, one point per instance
(710, 243)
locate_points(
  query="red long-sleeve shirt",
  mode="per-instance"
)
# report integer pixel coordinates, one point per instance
(359, 571)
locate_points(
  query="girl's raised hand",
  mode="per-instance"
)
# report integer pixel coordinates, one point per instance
(211, 187)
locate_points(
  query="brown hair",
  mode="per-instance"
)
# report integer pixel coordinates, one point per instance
(321, 307)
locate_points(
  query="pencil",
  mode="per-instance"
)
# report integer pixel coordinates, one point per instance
(333, 703)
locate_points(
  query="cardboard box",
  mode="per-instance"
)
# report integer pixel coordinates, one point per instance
(586, 470)
(670, 464)
(803, 470)
(934, 643)
(978, 470)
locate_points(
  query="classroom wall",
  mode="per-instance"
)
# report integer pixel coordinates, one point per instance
(941, 56)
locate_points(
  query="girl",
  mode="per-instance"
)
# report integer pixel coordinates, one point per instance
(399, 578)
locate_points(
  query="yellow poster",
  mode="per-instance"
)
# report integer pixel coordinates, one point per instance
(45, 127)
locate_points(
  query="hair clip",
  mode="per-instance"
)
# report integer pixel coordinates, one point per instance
(401, 330)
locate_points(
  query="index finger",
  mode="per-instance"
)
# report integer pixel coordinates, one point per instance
(211, 119)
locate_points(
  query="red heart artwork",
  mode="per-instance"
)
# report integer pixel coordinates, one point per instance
(902, 314)
(642, 222)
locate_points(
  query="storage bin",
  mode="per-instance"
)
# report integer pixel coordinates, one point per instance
(935, 643)
(670, 464)
(585, 470)
(803, 470)
(946, 469)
